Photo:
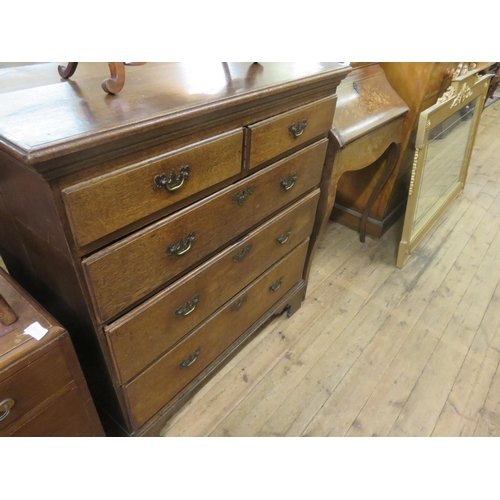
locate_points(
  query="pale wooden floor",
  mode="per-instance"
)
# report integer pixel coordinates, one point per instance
(375, 350)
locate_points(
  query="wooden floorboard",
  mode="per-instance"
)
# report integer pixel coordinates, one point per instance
(376, 350)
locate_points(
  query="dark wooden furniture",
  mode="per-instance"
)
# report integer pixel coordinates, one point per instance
(42, 389)
(366, 134)
(182, 215)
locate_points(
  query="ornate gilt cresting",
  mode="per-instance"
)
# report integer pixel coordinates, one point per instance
(450, 92)
(464, 94)
(463, 68)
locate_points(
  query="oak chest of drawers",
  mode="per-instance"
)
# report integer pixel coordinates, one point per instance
(42, 389)
(165, 225)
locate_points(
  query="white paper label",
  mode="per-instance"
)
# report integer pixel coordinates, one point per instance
(36, 330)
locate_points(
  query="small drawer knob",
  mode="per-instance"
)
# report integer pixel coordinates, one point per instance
(289, 182)
(276, 284)
(187, 308)
(283, 238)
(240, 256)
(237, 305)
(191, 359)
(181, 247)
(241, 197)
(174, 182)
(297, 129)
(5, 407)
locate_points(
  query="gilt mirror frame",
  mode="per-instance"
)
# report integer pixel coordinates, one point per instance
(463, 90)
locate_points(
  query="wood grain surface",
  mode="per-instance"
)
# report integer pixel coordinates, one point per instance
(272, 137)
(140, 336)
(160, 382)
(107, 203)
(125, 272)
(41, 122)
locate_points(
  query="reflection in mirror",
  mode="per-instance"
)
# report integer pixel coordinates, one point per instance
(443, 161)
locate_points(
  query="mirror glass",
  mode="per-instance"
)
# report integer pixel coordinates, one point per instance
(443, 161)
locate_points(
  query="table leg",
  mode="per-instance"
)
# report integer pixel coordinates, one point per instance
(115, 83)
(7, 315)
(67, 71)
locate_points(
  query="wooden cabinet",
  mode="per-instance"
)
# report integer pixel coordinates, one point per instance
(182, 217)
(42, 389)
(365, 138)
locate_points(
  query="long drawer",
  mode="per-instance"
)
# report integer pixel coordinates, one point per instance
(65, 417)
(142, 335)
(159, 383)
(32, 385)
(276, 135)
(123, 273)
(112, 201)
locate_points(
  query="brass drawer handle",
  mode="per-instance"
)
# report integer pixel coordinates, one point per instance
(181, 247)
(6, 405)
(276, 284)
(238, 257)
(174, 182)
(241, 197)
(283, 238)
(288, 183)
(297, 129)
(241, 301)
(187, 308)
(191, 359)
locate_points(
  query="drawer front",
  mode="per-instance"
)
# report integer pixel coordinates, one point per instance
(277, 135)
(105, 204)
(33, 384)
(125, 272)
(142, 335)
(154, 388)
(65, 417)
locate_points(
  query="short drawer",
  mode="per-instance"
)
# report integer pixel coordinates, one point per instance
(123, 273)
(110, 202)
(142, 335)
(34, 384)
(281, 133)
(159, 383)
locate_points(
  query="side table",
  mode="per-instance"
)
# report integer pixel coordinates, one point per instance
(366, 132)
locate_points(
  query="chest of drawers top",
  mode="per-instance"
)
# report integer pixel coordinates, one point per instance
(45, 120)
